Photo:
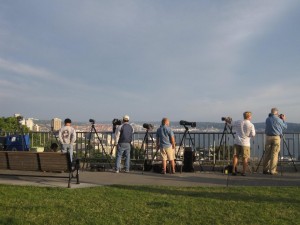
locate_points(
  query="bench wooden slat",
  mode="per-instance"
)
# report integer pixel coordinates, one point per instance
(52, 161)
(3, 160)
(27, 161)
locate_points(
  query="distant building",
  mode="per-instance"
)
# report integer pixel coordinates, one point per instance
(36, 127)
(29, 123)
(55, 124)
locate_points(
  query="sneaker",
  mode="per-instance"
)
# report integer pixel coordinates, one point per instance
(233, 174)
(116, 171)
(163, 172)
(243, 174)
(273, 173)
(126, 171)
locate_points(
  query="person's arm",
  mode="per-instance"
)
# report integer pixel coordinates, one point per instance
(173, 142)
(283, 123)
(253, 132)
(73, 136)
(60, 136)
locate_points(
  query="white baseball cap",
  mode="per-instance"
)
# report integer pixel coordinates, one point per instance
(126, 117)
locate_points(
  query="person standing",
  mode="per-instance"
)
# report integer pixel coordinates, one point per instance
(67, 137)
(244, 130)
(123, 136)
(165, 141)
(275, 124)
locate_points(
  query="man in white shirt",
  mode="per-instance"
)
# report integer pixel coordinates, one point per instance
(244, 130)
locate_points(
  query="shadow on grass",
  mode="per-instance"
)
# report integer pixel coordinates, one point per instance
(263, 195)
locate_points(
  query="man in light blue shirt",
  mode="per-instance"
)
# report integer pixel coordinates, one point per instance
(165, 141)
(275, 124)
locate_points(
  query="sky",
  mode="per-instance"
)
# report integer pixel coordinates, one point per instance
(186, 60)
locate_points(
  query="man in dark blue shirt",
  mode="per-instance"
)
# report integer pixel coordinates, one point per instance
(123, 137)
(275, 124)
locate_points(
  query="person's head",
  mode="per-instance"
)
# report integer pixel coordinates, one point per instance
(54, 147)
(247, 115)
(125, 118)
(274, 111)
(165, 121)
(68, 121)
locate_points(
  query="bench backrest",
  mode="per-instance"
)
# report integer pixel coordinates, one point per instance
(3, 160)
(52, 161)
(35, 161)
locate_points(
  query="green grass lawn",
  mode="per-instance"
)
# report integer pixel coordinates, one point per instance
(149, 205)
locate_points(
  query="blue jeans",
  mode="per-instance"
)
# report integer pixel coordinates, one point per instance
(123, 147)
(68, 148)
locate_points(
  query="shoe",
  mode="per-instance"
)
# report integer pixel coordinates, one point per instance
(266, 172)
(126, 171)
(273, 173)
(116, 171)
(243, 174)
(233, 174)
(163, 172)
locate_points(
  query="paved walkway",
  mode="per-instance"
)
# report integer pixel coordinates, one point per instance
(90, 179)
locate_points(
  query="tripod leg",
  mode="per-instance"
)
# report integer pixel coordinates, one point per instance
(289, 154)
(218, 150)
(260, 160)
(103, 149)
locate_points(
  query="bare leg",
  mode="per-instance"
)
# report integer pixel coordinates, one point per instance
(245, 164)
(173, 165)
(235, 162)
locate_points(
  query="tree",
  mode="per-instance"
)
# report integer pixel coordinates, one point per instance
(11, 124)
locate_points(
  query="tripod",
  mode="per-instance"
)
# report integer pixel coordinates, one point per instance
(86, 155)
(146, 143)
(187, 132)
(227, 130)
(290, 155)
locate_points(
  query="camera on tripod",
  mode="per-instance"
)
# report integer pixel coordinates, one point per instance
(116, 122)
(186, 123)
(226, 119)
(92, 121)
(148, 126)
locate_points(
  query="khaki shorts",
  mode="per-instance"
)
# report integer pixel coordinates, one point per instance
(243, 151)
(167, 153)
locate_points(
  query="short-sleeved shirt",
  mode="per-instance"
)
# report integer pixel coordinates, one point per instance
(164, 134)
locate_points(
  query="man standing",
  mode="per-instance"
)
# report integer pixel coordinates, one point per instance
(244, 131)
(123, 137)
(274, 130)
(67, 137)
(165, 141)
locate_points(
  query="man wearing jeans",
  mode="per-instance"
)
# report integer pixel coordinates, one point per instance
(274, 130)
(67, 137)
(123, 137)
(165, 141)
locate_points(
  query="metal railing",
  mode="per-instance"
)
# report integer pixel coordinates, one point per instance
(207, 146)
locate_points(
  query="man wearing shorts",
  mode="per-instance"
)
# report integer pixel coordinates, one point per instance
(165, 141)
(244, 130)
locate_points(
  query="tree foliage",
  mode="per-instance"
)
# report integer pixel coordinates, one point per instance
(11, 124)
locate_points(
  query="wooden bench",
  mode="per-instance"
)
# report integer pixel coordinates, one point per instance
(40, 162)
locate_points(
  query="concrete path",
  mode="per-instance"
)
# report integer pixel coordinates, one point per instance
(91, 179)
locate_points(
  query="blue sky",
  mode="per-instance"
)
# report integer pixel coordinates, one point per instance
(186, 60)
